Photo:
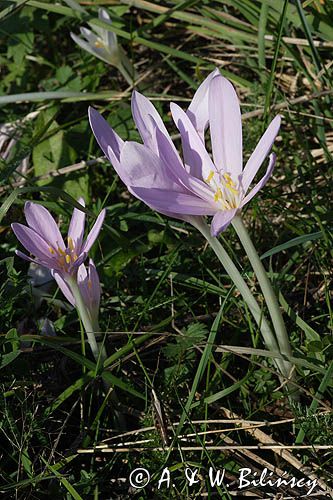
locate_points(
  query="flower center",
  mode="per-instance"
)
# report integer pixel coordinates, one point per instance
(226, 195)
(65, 258)
(99, 44)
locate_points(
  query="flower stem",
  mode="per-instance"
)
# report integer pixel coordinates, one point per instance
(266, 287)
(239, 282)
(91, 326)
(99, 353)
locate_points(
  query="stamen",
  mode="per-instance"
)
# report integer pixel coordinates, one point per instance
(61, 251)
(99, 44)
(210, 176)
(218, 194)
(51, 250)
(68, 258)
(74, 257)
(71, 243)
(229, 180)
(232, 189)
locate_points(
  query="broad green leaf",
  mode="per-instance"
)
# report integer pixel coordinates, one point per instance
(53, 152)
(6, 359)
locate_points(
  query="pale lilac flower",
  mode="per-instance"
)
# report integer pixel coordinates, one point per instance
(89, 286)
(103, 44)
(43, 239)
(155, 173)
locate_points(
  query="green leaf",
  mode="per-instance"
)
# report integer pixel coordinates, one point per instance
(71, 490)
(13, 338)
(6, 359)
(78, 186)
(53, 152)
(291, 243)
(63, 74)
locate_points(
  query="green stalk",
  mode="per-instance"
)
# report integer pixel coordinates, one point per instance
(266, 287)
(89, 326)
(236, 277)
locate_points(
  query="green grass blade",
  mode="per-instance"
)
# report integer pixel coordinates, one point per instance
(326, 381)
(71, 490)
(299, 240)
(261, 36)
(271, 78)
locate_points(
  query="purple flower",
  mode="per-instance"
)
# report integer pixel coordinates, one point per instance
(155, 173)
(43, 239)
(89, 286)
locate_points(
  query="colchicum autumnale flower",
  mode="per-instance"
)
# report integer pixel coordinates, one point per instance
(154, 172)
(199, 185)
(104, 45)
(44, 241)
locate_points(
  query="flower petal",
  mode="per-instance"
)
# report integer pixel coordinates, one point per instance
(221, 221)
(109, 37)
(143, 110)
(35, 244)
(89, 36)
(156, 137)
(63, 287)
(94, 232)
(24, 256)
(82, 281)
(81, 258)
(108, 140)
(101, 53)
(225, 126)
(198, 109)
(262, 182)
(95, 290)
(177, 170)
(81, 274)
(42, 222)
(163, 200)
(145, 169)
(76, 226)
(195, 154)
(259, 154)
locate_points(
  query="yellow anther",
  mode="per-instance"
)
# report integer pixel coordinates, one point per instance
(61, 251)
(229, 180)
(68, 258)
(51, 250)
(218, 195)
(211, 175)
(232, 189)
(99, 44)
(74, 257)
(71, 244)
